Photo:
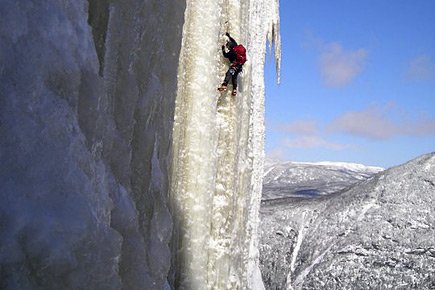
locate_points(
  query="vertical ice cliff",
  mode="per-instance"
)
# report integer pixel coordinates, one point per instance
(218, 147)
(100, 187)
(87, 94)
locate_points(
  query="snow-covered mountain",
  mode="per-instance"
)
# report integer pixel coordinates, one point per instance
(378, 234)
(121, 165)
(287, 179)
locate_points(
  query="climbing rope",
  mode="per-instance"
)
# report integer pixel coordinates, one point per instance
(227, 15)
(225, 19)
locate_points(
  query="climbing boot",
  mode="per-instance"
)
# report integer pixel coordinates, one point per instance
(222, 88)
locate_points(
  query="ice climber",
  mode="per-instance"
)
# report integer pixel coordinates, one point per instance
(237, 56)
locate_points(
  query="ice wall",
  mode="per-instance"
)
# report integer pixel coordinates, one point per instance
(92, 162)
(218, 147)
(86, 111)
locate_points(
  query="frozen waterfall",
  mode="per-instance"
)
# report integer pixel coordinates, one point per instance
(218, 146)
(121, 166)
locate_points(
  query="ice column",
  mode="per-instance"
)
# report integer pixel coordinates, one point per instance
(218, 147)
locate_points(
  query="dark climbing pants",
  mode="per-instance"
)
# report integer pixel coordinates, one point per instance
(232, 74)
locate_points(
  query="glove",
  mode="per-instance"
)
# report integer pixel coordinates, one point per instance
(227, 34)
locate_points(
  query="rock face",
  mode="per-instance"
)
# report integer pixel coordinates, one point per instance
(377, 235)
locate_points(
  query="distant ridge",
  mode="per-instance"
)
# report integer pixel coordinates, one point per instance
(284, 179)
(347, 165)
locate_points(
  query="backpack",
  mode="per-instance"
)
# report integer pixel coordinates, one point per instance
(240, 51)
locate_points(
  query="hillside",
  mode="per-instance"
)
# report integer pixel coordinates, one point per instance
(375, 235)
(297, 179)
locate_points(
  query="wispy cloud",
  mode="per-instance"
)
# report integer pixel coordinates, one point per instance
(421, 127)
(338, 67)
(370, 123)
(311, 142)
(301, 127)
(376, 122)
(276, 153)
(305, 134)
(421, 67)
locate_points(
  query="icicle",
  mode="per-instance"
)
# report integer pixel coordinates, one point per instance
(273, 36)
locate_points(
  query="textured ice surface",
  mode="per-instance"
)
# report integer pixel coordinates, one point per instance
(218, 147)
(88, 95)
(86, 108)
(377, 235)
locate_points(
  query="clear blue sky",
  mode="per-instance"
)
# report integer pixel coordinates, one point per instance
(357, 82)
